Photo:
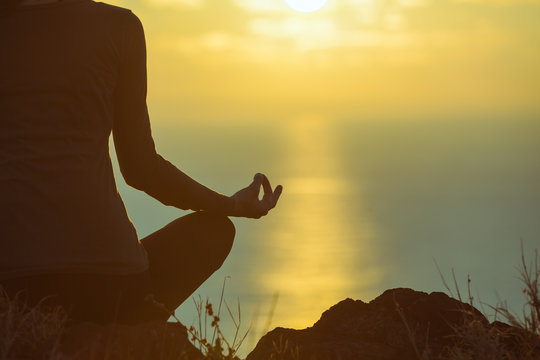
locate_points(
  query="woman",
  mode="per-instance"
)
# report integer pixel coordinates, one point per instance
(71, 72)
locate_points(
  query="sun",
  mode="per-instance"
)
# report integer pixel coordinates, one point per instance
(306, 5)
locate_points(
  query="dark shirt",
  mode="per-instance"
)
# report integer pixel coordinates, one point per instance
(70, 73)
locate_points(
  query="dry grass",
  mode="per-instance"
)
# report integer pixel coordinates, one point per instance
(36, 332)
(519, 341)
(215, 346)
(513, 338)
(29, 332)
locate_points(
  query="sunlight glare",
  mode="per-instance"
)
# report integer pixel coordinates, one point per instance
(306, 6)
(317, 245)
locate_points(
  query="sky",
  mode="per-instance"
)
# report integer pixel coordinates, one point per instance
(343, 105)
(255, 59)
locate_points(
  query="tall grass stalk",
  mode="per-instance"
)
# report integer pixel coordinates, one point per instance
(516, 338)
(218, 347)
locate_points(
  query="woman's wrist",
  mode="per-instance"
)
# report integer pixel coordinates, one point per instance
(232, 206)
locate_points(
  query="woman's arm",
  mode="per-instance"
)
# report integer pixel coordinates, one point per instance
(141, 166)
(146, 170)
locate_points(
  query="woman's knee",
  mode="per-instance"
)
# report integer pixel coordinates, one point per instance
(206, 237)
(222, 232)
(216, 236)
(229, 230)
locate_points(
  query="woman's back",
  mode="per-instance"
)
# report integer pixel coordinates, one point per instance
(59, 207)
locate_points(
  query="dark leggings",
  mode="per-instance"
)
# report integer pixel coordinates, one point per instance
(182, 255)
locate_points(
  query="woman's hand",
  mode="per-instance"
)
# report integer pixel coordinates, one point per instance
(247, 202)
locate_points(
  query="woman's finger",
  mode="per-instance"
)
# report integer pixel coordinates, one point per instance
(258, 178)
(266, 186)
(256, 184)
(269, 201)
(277, 194)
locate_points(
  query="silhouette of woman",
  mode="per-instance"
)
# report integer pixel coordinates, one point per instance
(72, 72)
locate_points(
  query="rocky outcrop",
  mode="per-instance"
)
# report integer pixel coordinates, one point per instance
(383, 329)
(399, 324)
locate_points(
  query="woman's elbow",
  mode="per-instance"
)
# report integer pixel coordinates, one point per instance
(135, 178)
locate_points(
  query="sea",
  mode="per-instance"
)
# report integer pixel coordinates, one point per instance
(368, 204)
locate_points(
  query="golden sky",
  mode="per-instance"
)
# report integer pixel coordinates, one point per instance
(259, 60)
(350, 59)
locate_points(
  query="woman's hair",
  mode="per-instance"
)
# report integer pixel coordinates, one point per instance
(8, 6)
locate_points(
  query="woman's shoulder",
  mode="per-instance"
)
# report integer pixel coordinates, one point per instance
(114, 11)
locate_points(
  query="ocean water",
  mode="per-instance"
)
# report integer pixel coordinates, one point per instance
(367, 205)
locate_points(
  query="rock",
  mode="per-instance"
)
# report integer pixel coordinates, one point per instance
(355, 330)
(153, 340)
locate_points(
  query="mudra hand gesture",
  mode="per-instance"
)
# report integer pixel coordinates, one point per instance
(247, 202)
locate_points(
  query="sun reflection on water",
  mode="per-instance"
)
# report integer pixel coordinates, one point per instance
(315, 255)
